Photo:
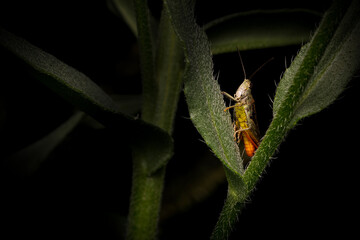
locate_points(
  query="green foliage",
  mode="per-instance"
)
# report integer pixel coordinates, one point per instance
(337, 64)
(162, 69)
(125, 10)
(147, 58)
(78, 89)
(203, 95)
(310, 84)
(307, 87)
(27, 161)
(260, 29)
(176, 51)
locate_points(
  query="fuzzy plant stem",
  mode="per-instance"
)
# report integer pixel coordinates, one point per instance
(145, 203)
(228, 217)
(162, 66)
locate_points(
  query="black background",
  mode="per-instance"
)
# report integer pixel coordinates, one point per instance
(309, 189)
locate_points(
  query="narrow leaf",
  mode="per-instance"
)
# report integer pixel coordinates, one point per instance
(261, 29)
(338, 65)
(63, 79)
(28, 160)
(315, 78)
(169, 68)
(125, 9)
(83, 93)
(147, 60)
(203, 95)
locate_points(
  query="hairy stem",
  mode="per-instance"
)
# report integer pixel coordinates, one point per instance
(145, 202)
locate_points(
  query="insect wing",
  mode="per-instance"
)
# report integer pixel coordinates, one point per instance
(255, 133)
(251, 136)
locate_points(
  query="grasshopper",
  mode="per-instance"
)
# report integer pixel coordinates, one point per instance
(245, 122)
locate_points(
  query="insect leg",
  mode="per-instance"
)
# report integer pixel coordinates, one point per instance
(228, 96)
(229, 108)
(241, 130)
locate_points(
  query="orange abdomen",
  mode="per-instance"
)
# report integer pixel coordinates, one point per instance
(249, 145)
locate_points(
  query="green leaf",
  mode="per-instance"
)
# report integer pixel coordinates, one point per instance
(169, 68)
(63, 79)
(147, 61)
(339, 63)
(83, 93)
(162, 67)
(261, 29)
(26, 161)
(206, 105)
(336, 66)
(125, 9)
(203, 95)
(314, 80)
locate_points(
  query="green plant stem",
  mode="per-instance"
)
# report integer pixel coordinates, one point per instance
(145, 202)
(162, 79)
(147, 188)
(228, 216)
(234, 203)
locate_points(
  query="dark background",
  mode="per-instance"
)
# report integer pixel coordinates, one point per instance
(83, 190)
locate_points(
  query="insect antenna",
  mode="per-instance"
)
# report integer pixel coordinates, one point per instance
(242, 64)
(261, 67)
